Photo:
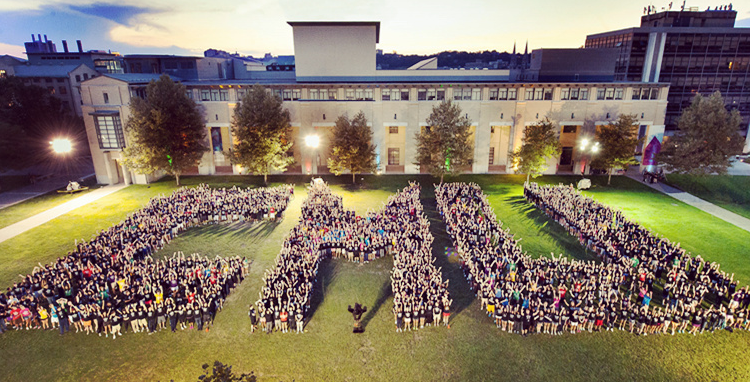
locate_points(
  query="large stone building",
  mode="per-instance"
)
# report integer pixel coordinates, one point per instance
(335, 74)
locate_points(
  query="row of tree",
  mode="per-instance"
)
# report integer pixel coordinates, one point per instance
(167, 133)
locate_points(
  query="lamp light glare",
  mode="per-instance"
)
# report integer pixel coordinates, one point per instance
(312, 141)
(61, 146)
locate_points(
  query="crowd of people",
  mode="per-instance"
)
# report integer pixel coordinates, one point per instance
(327, 229)
(555, 295)
(112, 283)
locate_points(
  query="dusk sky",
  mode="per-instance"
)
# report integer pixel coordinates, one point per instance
(259, 26)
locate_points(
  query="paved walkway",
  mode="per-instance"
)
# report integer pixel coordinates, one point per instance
(50, 179)
(43, 217)
(727, 216)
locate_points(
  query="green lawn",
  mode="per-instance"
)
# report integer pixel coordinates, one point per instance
(31, 207)
(727, 191)
(471, 350)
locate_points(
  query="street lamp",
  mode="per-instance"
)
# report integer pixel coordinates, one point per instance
(591, 150)
(313, 141)
(61, 146)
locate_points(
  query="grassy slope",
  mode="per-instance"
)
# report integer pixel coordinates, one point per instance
(729, 192)
(471, 350)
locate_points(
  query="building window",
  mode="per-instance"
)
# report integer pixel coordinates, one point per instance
(393, 130)
(434, 94)
(205, 95)
(290, 94)
(422, 95)
(109, 132)
(476, 94)
(492, 156)
(216, 143)
(457, 93)
(3, 73)
(538, 94)
(85, 76)
(512, 94)
(60, 80)
(314, 94)
(600, 93)
(618, 93)
(106, 97)
(569, 129)
(609, 94)
(368, 95)
(51, 90)
(63, 90)
(493, 95)
(350, 94)
(48, 80)
(564, 94)
(385, 94)
(137, 92)
(393, 157)
(189, 93)
(404, 94)
(584, 94)
(186, 65)
(529, 94)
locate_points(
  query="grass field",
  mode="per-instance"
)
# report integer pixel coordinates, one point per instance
(21, 211)
(727, 191)
(471, 350)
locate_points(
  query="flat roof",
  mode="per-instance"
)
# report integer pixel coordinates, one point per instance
(376, 24)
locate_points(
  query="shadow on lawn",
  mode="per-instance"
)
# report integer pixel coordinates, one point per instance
(385, 292)
(327, 273)
(458, 287)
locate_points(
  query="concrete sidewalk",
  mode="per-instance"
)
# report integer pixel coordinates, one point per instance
(727, 216)
(41, 218)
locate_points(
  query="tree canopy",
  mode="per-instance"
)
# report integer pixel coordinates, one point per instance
(707, 139)
(617, 140)
(261, 126)
(540, 142)
(352, 148)
(166, 130)
(444, 145)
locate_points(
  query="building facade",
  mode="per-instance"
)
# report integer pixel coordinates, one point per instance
(328, 82)
(694, 52)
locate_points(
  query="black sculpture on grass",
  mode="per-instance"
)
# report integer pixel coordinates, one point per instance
(357, 315)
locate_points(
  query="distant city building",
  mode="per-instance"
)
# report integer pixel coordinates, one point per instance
(45, 53)
(335, 73)
(693, 51)
(8, 64)
(62, 81)
(577, 65)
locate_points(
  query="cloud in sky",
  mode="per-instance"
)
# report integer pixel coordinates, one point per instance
(259, 26)
(121, 14)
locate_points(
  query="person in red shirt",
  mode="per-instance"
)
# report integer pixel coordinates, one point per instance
(284, 320)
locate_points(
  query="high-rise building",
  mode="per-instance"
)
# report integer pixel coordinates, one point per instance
(694, 51)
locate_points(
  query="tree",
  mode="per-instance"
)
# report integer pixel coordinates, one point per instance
(444, 144)
(707, 139)
(352, 148)
(617, 141)
(166, 130)
(540, 142)
(224, 373)
(261, 125)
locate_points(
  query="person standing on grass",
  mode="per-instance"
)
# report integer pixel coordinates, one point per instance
(253, 318)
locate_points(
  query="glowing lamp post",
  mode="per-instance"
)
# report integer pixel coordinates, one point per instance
(591, 150)
(313, 141)
(61, 146)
